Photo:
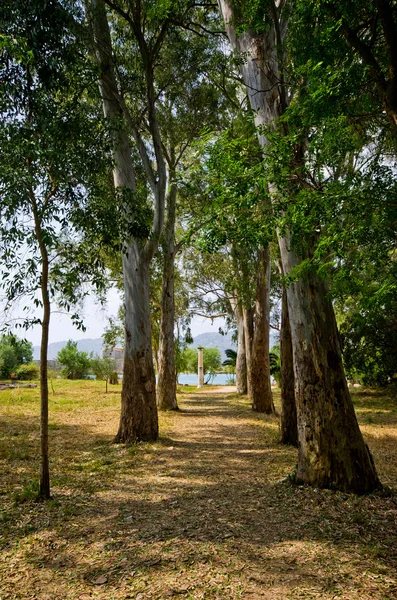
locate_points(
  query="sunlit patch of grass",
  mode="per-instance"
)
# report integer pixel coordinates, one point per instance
(186, 389)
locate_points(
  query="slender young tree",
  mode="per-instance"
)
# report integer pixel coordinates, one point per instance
(41, 183)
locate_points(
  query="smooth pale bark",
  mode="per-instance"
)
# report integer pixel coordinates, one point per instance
(261, 391)
(288, 419)
(241, 364)
(166, 385)
(138, 420)
(332, 452)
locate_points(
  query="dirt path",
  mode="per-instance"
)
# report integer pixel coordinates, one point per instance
(202, 514)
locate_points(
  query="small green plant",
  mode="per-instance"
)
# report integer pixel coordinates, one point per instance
(29, 492)
(359, 519)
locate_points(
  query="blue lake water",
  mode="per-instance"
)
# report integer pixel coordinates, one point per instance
(191, 379)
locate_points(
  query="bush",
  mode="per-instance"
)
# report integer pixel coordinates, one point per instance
(75, 364)
(28, 372)
(13, 352)
(114, 378)
(212, 362)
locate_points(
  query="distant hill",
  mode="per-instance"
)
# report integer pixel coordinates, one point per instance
(88, 345)
(206, 340)
(223, 342)
(214, 340)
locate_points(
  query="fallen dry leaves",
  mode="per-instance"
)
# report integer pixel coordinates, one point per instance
(201, 513)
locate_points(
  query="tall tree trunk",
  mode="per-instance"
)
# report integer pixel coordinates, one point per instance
(289, 428)
(166, 385)
(332, 452)
(44, 491)
(261, 391)
(44, 488)
(248, 337)
(138, 420)
(241, 364)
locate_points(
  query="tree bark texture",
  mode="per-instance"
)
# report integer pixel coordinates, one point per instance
(44, 486)
(166, 385)
(332, 452)
(138, 420)
(261, 391)
(248, 338)
(241, 364)
(289, 428)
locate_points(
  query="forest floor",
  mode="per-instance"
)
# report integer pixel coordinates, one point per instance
(205, 512)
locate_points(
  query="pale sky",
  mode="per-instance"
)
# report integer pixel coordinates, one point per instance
(95, 319)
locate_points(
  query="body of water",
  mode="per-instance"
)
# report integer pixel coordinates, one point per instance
(192, 379)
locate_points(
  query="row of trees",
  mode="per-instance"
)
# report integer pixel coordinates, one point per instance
(262, 167)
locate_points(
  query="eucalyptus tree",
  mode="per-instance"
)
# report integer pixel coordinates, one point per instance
(189, 105)
(236, 213)
(138, 419)
(132, 58)
(350, 164)
(43, 185)
(331, 450)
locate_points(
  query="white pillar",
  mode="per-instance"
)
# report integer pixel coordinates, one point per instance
(200, 368)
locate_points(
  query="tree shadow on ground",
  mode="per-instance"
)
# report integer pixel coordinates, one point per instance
(201, 511)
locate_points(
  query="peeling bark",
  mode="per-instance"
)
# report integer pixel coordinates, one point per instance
(331, 450)
(138, 419)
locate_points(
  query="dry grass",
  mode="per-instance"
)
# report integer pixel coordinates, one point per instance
(200, 514)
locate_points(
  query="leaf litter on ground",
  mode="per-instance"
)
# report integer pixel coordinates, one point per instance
(205, 512)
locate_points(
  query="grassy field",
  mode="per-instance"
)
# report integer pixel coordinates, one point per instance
(201, 513)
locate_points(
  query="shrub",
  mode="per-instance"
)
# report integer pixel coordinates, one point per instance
(75, 363)
(28, 372)
(13, 352)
